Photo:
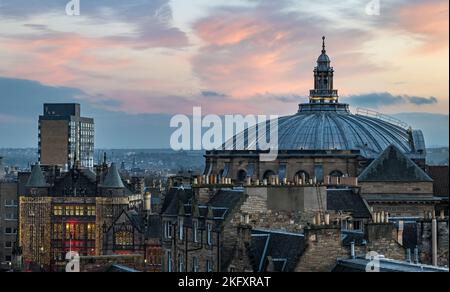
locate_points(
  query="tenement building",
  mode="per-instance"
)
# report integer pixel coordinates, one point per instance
(65, 136)
(68, 211)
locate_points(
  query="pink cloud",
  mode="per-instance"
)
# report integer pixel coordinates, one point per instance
(429, 21)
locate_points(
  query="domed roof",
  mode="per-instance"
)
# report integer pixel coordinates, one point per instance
(325, 124)
(323, 59)
(322, 129)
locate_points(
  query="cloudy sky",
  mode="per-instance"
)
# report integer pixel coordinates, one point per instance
(133, 64)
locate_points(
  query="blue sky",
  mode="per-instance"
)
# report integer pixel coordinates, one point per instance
(133, 64)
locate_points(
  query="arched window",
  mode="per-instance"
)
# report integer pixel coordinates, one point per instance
(302, 175)
(336, 173)
(268, 174)
(242, 175)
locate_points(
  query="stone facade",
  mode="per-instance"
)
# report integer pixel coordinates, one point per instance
(8, 220)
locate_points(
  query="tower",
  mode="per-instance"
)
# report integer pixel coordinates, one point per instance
(323, 91)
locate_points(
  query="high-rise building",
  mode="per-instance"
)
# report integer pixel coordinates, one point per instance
(65, 137)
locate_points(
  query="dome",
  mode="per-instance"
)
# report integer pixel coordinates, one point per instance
(323, 59)
(320, 128)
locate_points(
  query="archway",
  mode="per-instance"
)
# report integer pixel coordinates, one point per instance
(241, 176)
(336, 173)
(302, 175)
(268, 174)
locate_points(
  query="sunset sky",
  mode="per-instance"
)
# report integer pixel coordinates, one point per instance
(143, 59)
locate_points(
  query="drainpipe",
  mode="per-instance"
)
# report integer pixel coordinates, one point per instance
(434, 241)
(353, 254)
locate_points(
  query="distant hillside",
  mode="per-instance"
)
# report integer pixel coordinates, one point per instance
(437, 156)
(163, 159)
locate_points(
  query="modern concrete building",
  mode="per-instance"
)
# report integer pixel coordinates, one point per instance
(65, 136)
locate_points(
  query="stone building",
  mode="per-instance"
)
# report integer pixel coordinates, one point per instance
(393, 183)
(197, 233)
(8, 221)
(322, 138)
(136, 232)
(62, 212)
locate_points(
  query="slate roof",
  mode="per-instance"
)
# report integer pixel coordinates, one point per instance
(349, 236)
(284, 248)
(112, 179)
(393, 166)
(440, 176)
(36, 179)
(173, 198)
(347, 200)
(386, 265)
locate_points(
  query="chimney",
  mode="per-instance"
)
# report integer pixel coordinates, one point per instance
(400, 232)
(408, 255)
(148, 202)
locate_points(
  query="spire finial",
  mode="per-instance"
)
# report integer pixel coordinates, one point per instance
(323, 45)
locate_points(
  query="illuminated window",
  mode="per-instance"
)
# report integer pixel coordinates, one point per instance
(70, 211)
(91, 231)
(70, 230)
(124, 238)
(57, 231)
(57, 210)
(91, 210)
(79, 211)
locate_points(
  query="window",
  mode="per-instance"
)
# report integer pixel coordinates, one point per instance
(209, 266)
(8, 244)
(10, 203)
(168, 230)
(357, 225)
(57, 231)
(124, 238)
(91, 210)
(11, 216)
(169, 261)
(70, 211)
(79, 211)
(209, 228)
(57, 210)
(9, 230)
(91, 231)
(181, 263)
(195, 266)
(195, 231)
(181, 229)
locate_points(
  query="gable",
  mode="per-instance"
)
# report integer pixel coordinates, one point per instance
(393, 166)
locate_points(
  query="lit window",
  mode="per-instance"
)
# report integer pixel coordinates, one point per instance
(57, 210)
(91, 210)
(124, 238)
(91, 231)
